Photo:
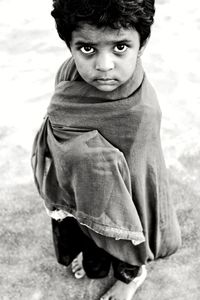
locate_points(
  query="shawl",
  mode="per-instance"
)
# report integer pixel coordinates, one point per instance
(98, 156)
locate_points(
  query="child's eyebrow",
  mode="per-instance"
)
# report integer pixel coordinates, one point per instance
(84, 42)
(110, 42)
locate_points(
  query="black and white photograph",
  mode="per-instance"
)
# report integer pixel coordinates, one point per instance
(100, 150)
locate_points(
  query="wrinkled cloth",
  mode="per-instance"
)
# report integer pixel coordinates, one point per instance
(98, 156)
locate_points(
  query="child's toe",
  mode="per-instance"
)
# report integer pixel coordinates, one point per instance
(79, 274)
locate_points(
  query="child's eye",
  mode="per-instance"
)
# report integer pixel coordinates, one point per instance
(120, 48)
(87, 49)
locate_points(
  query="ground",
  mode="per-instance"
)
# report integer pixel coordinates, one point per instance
(30, 54)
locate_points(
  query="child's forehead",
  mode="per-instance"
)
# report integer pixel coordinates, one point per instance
(91, 33)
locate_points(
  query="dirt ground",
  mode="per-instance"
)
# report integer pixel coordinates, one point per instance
(30, 54)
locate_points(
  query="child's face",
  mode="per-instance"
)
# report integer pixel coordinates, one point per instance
(105, 58)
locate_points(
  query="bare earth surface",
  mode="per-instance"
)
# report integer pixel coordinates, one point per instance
(30, 54)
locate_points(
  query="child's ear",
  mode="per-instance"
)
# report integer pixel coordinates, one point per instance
(141, 50)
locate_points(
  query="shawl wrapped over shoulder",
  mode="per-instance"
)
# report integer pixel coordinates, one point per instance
(98, 156)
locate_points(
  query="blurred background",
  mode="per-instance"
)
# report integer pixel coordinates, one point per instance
(30, 55)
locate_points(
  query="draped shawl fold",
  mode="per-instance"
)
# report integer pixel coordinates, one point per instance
(98, 156)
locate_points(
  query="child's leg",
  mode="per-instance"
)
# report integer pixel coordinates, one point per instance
(68, 240)
(96, 261)
(130, 278)
(93, 261)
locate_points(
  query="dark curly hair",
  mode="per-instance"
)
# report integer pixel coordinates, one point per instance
(138, 14)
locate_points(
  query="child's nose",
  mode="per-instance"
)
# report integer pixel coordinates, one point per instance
(104, 63)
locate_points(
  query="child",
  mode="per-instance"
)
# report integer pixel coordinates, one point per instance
(97, 158)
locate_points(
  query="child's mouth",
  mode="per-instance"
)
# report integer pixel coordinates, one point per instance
(106, 81)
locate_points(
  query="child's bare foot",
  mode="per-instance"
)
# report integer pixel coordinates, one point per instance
(123, 291)
(77, 267)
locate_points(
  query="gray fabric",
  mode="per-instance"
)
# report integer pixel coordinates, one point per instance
(98, 156)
